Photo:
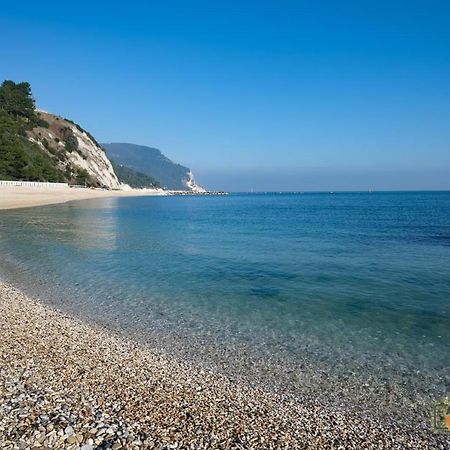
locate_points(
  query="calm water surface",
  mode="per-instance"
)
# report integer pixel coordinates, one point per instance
(345, 297)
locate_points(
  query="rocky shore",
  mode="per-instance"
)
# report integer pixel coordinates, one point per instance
(68, 385)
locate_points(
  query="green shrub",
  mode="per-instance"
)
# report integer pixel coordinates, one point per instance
(71, 143)
(82, 177)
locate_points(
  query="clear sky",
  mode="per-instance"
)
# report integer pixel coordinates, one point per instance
(270, 95)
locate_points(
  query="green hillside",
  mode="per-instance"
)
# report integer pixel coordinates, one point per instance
(134, 179)
(21, 159)
(40, 146)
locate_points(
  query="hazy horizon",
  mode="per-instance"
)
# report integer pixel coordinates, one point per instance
(321, 181)
(264, 95)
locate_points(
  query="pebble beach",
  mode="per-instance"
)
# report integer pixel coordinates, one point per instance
(68, 385)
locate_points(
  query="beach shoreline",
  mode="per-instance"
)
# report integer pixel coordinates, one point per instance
(65, 384)
(12, 197)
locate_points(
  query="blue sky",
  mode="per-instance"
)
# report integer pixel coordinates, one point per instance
(265, 95)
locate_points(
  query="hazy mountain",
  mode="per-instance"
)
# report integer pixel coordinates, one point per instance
(151, 162)
(133, 178)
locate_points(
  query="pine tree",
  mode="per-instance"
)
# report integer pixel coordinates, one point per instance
(16, 99)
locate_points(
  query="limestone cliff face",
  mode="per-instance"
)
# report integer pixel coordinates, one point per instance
(91, 156)
(75, 152)
(191, 184)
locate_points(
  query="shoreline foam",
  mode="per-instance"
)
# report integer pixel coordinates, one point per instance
(64, 383)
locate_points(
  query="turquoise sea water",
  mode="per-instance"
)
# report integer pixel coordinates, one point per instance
(342, 297)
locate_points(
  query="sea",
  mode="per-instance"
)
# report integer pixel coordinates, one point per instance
(338, 298)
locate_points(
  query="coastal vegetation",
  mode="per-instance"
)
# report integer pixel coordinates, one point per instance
(38, 146)
(133, 178)
(21, 158)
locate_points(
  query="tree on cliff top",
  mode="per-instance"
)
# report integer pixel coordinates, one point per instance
(21, 159)
(16, 99)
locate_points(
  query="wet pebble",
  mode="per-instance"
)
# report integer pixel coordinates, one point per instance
(67, 385)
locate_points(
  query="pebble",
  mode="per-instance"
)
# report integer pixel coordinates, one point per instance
(68, 385)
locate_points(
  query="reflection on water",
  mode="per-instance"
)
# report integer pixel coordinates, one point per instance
(71, 225)
(345, 297)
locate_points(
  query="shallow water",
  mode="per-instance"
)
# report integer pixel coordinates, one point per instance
(344, 297)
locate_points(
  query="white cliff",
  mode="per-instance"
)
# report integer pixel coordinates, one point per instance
(75, 150)
(191, 184)
(94, 160)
